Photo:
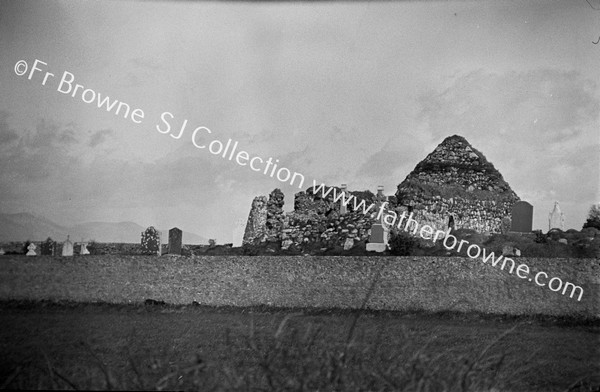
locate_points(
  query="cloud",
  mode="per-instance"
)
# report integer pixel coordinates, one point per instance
(7, 134)
(99, 137)
(543, 105)
(539, 128)
(151, 64)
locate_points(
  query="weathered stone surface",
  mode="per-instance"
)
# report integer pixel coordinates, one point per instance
(285, 244)
(348, 244)
(509, 250)
(275, 216)
(432, 283)
(175, 241)
(454, 186)
(505, 225)
(256, 227)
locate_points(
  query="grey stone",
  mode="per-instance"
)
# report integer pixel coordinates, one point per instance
(507, 250)
(286, 244)
(521, 217)
(175, 239)
(377, 233)
(348, 244)
(517, 252)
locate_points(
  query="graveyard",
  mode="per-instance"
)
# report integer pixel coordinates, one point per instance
(328, 296)
(85, 315)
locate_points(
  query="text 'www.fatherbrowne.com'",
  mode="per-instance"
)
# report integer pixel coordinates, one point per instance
(450, 242)
(68, 86)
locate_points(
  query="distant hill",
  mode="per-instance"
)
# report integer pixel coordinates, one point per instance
(26, 226)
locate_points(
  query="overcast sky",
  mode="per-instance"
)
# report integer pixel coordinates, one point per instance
(354, 93)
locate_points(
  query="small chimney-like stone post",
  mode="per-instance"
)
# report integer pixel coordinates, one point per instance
(343, 208)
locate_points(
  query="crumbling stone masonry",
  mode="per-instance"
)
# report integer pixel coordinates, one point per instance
(453, 187)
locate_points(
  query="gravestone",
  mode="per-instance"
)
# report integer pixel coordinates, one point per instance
(175, 236)
(2, 252)
(48, 247)
(31, 250)
(556, 219)
(151, 241)
(84, 250)
(378, 239)
(521, 217)
(67, 249)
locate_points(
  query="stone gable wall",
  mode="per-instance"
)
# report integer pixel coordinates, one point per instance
(455, 180)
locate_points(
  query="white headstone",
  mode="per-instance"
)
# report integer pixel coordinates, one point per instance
(67, 249)
(2, 252)
(84, 250)
(31, 250)
(556, 219)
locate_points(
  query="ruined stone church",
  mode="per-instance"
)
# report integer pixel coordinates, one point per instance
(453, 187)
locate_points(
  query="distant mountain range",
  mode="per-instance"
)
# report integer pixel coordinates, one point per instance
(25, 226)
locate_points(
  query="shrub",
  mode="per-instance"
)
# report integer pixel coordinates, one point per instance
(401, 243)
(555, 234)
(92, 247)
(591, 231)
(593, 219)
(25, 245)
(540, 238)
(150, 241)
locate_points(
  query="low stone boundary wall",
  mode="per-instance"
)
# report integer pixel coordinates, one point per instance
(402, 283)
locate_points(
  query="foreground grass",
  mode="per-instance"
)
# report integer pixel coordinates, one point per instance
(91, 346)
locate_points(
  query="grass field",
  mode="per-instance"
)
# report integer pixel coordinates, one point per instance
(101, 346)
